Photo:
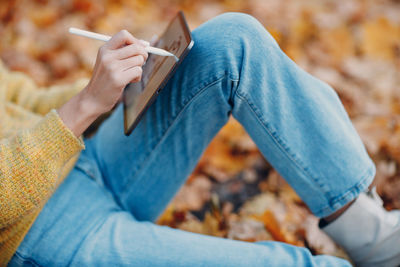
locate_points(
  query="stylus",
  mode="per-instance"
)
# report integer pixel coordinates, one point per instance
(105, 38)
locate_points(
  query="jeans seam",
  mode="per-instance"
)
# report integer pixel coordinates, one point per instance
(234, 89)
(281, 144)
(331, 200)
(163, 136)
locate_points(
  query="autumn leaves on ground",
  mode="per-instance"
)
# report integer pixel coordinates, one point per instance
(353, 45)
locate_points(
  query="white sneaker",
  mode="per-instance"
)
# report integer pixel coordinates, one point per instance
(369, 234)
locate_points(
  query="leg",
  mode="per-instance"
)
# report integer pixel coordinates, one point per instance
(235, 66)
(81, 225)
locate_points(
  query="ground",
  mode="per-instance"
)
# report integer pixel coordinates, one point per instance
(353, 45)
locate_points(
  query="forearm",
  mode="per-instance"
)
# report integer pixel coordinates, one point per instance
(79, 112)
(30, 164)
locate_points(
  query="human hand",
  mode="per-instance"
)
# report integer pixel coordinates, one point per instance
(153, 41)
(118, 63)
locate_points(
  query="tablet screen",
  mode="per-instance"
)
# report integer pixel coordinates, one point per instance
(156, 72)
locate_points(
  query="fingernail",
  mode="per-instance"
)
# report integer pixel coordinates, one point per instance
(145, 43)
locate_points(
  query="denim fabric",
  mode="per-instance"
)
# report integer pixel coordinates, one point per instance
(102, 214)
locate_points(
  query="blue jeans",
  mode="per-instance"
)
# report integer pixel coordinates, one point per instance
(102, 213)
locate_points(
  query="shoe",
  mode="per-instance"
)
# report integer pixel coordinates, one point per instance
(367, 232)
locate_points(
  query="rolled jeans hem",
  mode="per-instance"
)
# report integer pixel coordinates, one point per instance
(338, 202)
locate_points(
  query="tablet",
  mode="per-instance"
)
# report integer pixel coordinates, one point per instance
(137, 97)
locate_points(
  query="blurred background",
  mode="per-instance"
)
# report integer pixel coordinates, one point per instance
(353, 45)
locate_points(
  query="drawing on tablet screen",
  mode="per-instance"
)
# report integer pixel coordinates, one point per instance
(156, 61)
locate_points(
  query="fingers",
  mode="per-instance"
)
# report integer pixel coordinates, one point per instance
(145, 43)
(133, 74)
(121, 39)
(132, 62)
(130, 51)
(122, 58)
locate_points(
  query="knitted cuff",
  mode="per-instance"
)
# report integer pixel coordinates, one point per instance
(60, 143)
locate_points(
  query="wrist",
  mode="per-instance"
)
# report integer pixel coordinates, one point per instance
(79, 112)
(88, 104)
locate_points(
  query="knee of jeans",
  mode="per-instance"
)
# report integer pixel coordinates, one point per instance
(243, 26)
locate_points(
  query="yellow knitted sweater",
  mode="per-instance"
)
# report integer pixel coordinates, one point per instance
(37, 151)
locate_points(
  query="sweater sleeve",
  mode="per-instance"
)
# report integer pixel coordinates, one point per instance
(21, 90)
(30, 164)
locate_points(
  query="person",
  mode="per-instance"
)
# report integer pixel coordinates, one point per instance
(99, 210)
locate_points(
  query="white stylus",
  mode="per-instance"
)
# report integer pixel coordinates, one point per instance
(105, 38)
